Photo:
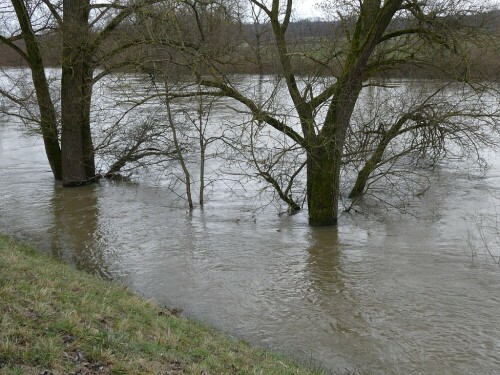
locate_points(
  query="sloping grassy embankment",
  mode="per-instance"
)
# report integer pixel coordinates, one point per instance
(57, 320)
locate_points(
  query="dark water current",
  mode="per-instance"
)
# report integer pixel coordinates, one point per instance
(385, 293)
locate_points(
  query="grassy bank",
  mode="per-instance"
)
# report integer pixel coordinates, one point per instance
(57, 320)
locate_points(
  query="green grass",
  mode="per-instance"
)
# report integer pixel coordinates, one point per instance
(57, 320)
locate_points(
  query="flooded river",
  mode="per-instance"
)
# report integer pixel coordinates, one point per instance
(384, 293)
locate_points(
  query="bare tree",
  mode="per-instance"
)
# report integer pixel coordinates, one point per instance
(423, 126)
(48, 116)
(304, 122)
(83, 27)
(374, 38)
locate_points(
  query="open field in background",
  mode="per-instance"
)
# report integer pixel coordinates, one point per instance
(316, 46)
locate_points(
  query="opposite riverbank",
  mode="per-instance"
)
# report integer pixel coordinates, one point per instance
(55, 319)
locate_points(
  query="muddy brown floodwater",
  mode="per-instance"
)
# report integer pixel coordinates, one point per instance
(384, 293)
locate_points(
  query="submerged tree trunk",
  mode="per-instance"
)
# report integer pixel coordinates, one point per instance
(323, 185)
(48, 118)
(324, 159)
(178, 149)
(77, 150)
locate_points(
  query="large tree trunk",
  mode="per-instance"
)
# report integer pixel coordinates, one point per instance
(88, 147)
(77, 151)
(48, 118)
(323, 185)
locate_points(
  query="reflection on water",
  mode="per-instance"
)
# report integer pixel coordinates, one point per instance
(75, 228)
(381, 294)
(323, 264)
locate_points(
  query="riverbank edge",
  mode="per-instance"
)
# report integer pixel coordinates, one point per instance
(55, 319)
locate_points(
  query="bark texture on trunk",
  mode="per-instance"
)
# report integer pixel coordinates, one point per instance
(323, 183)
(77, 150)
(88, 146)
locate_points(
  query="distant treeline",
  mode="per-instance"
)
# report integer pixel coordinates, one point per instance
(313, 40)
